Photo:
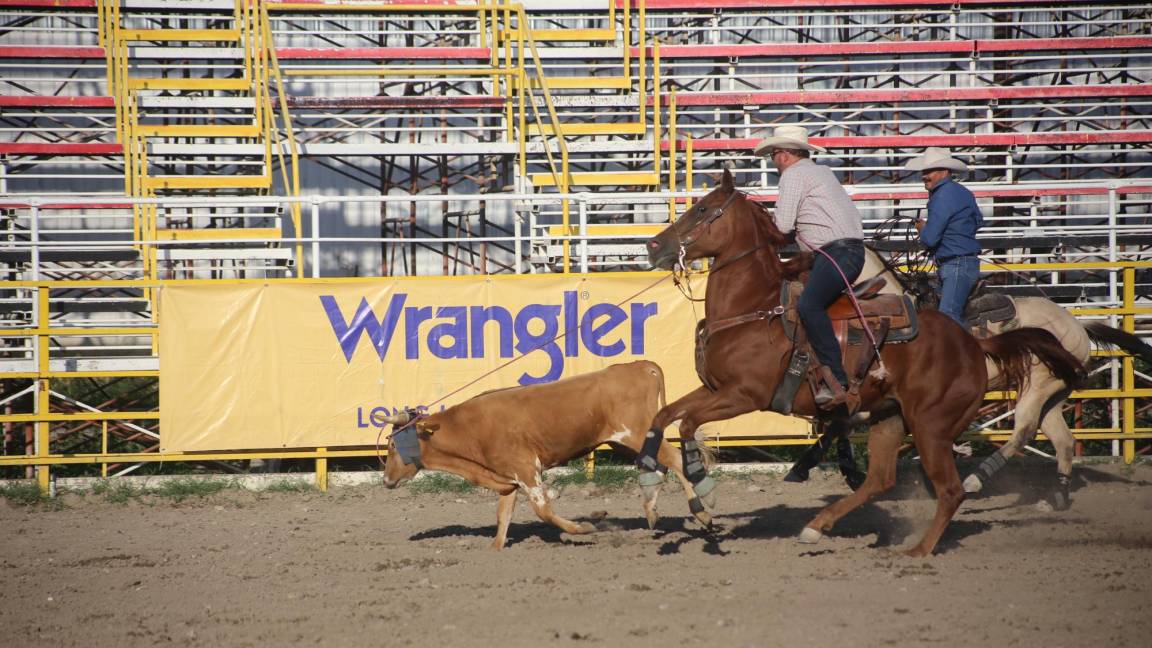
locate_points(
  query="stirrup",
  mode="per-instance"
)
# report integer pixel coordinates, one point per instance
(832, 394)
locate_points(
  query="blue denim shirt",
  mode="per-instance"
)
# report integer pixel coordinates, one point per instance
(953, 218)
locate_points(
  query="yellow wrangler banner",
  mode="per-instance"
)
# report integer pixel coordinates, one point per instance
(304, 364)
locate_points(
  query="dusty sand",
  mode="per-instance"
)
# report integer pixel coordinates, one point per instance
(365, 566)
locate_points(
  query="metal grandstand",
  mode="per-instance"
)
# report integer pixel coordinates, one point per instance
(144, 141)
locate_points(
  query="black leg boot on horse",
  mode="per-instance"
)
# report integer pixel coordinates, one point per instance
(652, 474)
(651, 471)
(703, 485)
(836, 431)
(846, 460)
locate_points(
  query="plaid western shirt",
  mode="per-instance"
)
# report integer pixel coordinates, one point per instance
(813, 203)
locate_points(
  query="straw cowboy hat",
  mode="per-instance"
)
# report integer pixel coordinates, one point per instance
(935, 158)
(787, 137)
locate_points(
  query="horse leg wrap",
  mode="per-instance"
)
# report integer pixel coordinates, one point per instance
(696, 473)
(991, 466)
(696, 506)
(704, 487)
(646, 460)
(693, 463)
(1063, 495)
(651, 483)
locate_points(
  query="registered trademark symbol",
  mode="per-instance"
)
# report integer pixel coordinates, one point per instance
(584, 295)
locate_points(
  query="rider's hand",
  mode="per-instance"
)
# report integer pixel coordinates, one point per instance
(919, 224)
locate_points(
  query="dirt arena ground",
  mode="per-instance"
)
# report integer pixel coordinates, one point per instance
(365, 566)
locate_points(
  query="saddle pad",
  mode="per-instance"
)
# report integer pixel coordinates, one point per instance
(989, 307)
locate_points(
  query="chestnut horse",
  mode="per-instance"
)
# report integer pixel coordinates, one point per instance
(1040, 403)
(936, 381)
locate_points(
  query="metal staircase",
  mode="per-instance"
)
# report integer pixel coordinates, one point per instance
(609, 137)
(606, 133)
(197, 120)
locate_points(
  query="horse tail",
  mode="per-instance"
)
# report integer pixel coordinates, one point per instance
(1014, 351)
(1105, 335)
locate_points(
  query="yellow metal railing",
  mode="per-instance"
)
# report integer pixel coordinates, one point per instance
(45, 331)
(505, 29)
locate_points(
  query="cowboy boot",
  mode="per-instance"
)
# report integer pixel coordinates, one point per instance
(832, 394)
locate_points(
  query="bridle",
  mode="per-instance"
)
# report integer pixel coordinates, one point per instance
(690, 239)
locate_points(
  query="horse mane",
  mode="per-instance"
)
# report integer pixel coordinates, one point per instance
(777, 237)
(797, 267)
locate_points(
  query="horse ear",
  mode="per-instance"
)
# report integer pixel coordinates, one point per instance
(726, 180)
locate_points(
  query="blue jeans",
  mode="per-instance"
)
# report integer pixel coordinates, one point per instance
(957, 276)
(824, 286)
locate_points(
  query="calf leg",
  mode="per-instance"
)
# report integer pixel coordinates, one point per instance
(504, 509)
(538, 497)
(669, 457)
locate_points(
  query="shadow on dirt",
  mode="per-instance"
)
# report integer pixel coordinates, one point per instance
(1033, 479)
(529, 530)
(1029, 480)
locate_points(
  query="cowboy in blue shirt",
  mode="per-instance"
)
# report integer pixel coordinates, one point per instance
(950, 230)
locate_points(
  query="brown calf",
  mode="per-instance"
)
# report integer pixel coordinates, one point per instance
(504, 439)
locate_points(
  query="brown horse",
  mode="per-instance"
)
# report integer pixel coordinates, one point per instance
(935, 382)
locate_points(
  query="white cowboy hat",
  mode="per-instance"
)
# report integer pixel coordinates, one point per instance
(935, 158)
(787, 137)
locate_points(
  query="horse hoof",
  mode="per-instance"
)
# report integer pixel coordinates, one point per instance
(652, 517)
(855, 480)
(1061, 501)
(972, 484)
(809, 536)
(796, 477)
(586, 527)
(705, 518)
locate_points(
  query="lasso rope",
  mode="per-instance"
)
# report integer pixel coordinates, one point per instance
(500, 367)
(882, 370)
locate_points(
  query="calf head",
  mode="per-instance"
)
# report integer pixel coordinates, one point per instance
(404, 450)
